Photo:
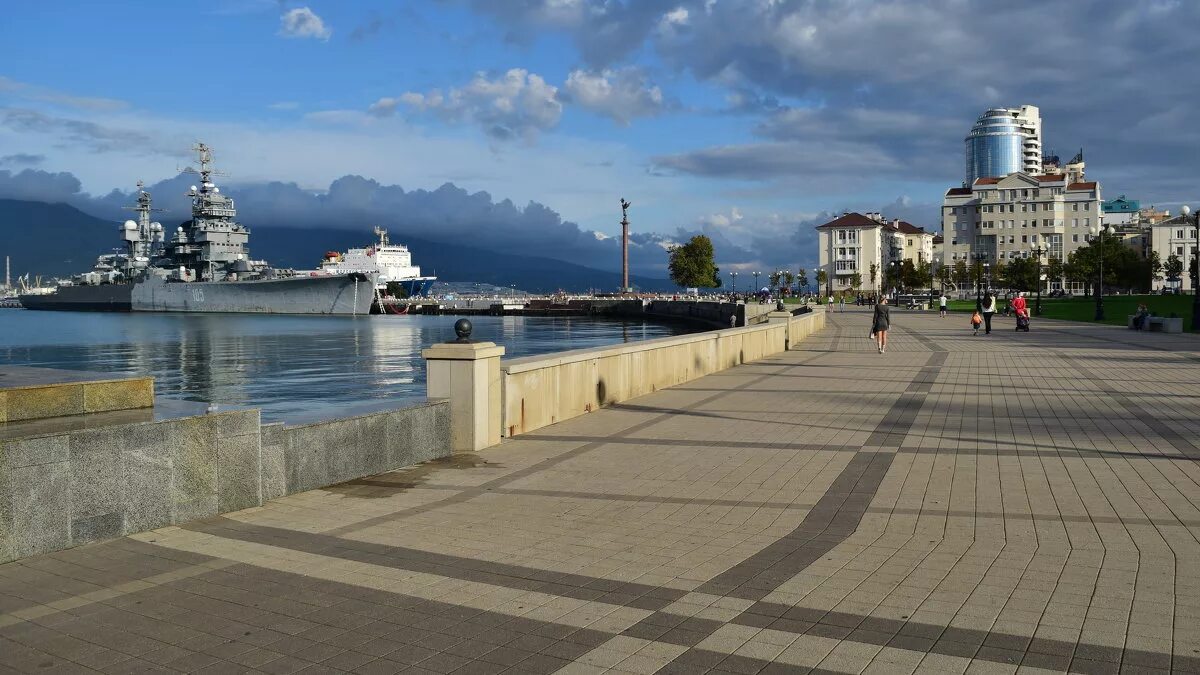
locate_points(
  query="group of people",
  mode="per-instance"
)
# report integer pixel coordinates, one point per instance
(985, 309)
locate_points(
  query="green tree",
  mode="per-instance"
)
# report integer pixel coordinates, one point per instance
(1021, 274)
(874, 271)
(1154, 266)
(855, 281)
(1055, 270)
(693, 265)
(1174, 268)
(787, 279)
(962, 276)
(802, 277)
(774, 277)
(822, 277)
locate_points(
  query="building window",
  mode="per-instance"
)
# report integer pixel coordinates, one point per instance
(1178, 250)
(1074, 207)
(1087, 206)
(1087, 222)
(1075, 238)
(1179, 234)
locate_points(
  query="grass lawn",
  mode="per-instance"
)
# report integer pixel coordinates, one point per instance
(1116, 307)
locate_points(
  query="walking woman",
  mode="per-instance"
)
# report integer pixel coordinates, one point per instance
(989, 308)
(880, 323)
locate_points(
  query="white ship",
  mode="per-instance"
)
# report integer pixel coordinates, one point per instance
(390, 263)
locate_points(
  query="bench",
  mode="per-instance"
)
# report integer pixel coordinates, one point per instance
(1160, 324)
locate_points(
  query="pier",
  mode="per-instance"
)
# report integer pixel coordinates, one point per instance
(798, 502)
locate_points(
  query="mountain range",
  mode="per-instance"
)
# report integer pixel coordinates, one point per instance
(57, 239)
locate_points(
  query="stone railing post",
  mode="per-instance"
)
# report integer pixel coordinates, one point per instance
(468, 374)
(786, 317)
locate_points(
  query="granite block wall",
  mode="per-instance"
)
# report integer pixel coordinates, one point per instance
(85, 485)
(310, 456)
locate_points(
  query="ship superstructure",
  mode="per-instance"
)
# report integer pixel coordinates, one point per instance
(390, 263)
(205, 266)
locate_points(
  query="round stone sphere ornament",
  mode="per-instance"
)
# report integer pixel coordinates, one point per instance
(463, 328)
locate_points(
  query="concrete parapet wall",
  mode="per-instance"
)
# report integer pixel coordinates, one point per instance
(715, 314)
(538, 391)
(311, 456)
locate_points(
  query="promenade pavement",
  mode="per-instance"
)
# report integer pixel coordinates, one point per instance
(959, 504)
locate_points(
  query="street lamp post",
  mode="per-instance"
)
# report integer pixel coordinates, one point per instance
(1098, 233)
(756, 287)
(1038, 252)
(979, 259)
(733, 275)
(1195, 220)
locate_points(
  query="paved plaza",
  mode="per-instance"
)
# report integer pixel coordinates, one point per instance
(1015, 502)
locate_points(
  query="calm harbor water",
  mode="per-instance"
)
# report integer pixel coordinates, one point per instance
(295, 368)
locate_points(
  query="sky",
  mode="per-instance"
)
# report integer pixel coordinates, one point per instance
(519, 124)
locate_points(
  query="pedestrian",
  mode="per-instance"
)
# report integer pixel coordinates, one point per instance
(976, 319)
(989, 309)
(880, 324)
(830, 302)
(842, 302)
(942, 304)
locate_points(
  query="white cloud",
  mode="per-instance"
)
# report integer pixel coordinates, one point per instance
(673, 19)
(302, 22)
(32, 92)
(516, 104)
(620, 95)
(284, 105)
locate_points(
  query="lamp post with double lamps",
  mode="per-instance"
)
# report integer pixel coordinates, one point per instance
(1098, 232)
(756, 282)
(979, 259)
(1038, 251)
(1194, 219)
(733, 275)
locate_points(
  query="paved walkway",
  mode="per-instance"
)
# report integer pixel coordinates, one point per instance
(961, 503)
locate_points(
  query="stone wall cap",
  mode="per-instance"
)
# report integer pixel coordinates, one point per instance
(528, 363)
(458, 351)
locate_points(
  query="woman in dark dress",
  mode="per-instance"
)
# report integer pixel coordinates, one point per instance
(880, 323)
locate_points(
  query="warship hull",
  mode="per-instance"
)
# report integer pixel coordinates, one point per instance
(350, 294)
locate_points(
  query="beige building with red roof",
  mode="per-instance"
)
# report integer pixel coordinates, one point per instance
(1004, 218)
(857, 243)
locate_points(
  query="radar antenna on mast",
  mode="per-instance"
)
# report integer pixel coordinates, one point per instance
(204, 155)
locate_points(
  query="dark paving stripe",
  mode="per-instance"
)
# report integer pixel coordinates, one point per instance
(288, 622)
(719, 444)
(704, 661)
(834, 518)
(576, 586)
(929, 344)
(673, 629)
(971, 643)
(482, 489)
(40, 580)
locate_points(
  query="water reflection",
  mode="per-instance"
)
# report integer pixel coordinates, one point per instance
(293, 367)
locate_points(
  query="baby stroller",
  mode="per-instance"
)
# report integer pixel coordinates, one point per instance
(1022, 311)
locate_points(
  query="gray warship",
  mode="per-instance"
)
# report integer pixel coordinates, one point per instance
(205, 266)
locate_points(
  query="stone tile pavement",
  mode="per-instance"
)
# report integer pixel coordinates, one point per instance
(1015, 502)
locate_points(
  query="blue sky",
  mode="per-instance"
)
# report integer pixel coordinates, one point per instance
(750, 120)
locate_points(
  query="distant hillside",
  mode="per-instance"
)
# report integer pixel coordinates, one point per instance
(59, 240)
(52, 239)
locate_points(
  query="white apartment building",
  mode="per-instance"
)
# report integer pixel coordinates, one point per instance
(853, 242)
(1174, 237)
(1002, 217)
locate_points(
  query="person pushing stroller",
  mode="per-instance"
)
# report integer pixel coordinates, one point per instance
(1021, 309)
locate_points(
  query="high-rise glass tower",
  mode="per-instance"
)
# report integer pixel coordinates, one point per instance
(1004, 141)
